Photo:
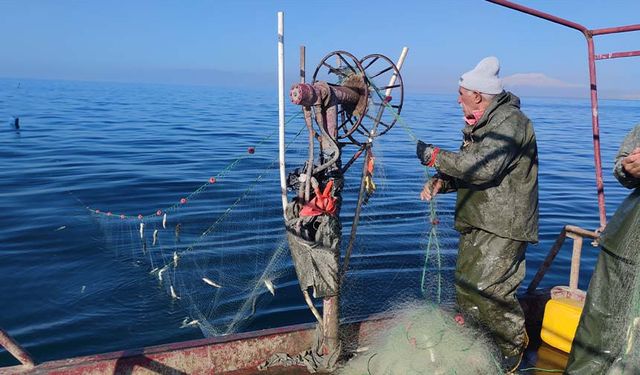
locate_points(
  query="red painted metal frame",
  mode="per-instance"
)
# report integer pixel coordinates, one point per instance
(588, 34)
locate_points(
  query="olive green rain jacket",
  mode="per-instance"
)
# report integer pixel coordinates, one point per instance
(623, 231)
(496, 173)
(606, 340)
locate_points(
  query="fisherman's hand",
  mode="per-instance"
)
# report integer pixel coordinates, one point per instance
(426, 152)
(431, 188)
(631, 164)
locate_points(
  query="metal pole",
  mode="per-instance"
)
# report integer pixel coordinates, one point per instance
(539, 14)
(575, 260)
(399, 64)
(594, 89)
(15, 349)
(307, 118)
(548, 260)
(617, 55)
(330, 312)
(615, 30)
(356, 217)
(283, 178)
(596, 132)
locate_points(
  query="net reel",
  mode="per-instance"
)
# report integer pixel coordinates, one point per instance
(352, 102)
(367, 94)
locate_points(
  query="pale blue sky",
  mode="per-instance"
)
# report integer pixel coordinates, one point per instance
(234, 42)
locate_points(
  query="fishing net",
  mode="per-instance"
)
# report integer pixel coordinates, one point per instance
(221, 254)
(220, 251)
(424, 339)
(626, 327)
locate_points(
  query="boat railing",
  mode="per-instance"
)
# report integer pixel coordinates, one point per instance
(577, 234)
(16, 350)
(592, 58)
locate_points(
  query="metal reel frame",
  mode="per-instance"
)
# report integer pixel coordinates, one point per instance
(350, 73)
(372, 77)
(386, 94)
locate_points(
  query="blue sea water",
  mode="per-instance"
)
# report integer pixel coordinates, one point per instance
(136, 148)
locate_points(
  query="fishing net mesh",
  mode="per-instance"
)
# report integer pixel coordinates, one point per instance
(424, 339)
(220, 253)
(627, 325)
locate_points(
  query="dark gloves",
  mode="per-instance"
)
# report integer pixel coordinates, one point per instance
(427, 153)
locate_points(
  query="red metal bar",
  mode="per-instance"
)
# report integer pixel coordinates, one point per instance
(593, 88)
(15, 349)
(595, 125)
(614, 30)
(615, 55)
(543, 15)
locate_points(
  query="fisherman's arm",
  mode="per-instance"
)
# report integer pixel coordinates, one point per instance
(479, 163)
(627, 167)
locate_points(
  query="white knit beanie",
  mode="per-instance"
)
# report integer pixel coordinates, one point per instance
(484, 77)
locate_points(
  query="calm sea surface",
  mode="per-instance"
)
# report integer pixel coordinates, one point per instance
(67, 290)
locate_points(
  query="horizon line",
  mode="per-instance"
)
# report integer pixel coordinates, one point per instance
(601, 96)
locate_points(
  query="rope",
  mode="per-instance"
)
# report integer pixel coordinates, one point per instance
(433, 241)
(356, 217)
(540, 369)
(202, 188)
(226, 213)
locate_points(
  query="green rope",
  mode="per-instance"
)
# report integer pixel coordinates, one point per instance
(540, 369)
(433, 241)
(223, 173)
(227, 212)
(220, 176)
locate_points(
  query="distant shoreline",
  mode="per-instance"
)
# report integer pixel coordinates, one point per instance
(264, 88)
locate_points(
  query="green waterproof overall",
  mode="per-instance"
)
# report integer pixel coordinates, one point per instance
(495, 175)
(608, 336)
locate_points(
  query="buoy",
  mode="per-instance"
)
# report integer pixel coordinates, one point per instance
(251, 150)
(183, 200)
(212, 180)
(140, 216)
(159, 213)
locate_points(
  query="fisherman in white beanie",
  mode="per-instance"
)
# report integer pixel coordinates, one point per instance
(495, 175)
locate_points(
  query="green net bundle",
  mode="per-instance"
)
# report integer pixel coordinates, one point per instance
(424, 339)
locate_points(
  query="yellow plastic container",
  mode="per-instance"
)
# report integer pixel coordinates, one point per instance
(561, 317)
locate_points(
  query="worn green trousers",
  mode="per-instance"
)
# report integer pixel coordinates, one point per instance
(489, 271)
(603, 333)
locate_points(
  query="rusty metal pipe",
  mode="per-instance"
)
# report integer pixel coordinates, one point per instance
(330, 325)
(595, 125)
(594, 89)
(575, 260)
(15, 349)
(574, 232)
(307, 94)
(581, 232)
(543, 15)
(615, 30)
(309, 122)
(615, 55)
(548, 261)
